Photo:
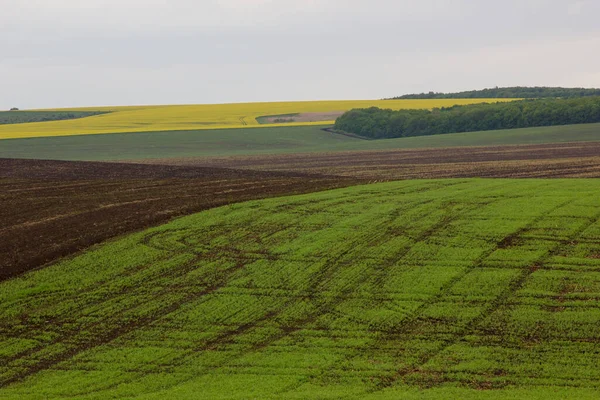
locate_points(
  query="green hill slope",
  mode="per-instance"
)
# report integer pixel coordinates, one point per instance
(279, 140)
(472, 289)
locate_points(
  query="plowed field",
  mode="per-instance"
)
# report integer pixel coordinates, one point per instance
(470, 289)
(539, 160)
(50, 209)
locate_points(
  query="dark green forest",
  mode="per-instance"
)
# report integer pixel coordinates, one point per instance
(21, 117)
(379, 123)
(517, 92)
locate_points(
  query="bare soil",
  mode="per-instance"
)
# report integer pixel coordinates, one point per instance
(51, 209)
(547, 160)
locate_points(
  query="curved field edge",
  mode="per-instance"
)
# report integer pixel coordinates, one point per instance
(202, 117)
(266, 140)
(69, 205)
(422, 289)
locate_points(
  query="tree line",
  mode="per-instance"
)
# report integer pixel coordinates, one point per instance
(380, 123)
(517, 92)
(21, 117)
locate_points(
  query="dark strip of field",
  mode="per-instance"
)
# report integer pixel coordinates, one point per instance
(22, 117)
(543, 161)
(51, 209)
(267, 140)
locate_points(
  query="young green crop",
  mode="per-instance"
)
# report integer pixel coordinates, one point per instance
(260, 140)
(470, 288)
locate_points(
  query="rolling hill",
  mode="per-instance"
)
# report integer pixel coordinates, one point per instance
(473, 289)
(194, 117)
(267, 140)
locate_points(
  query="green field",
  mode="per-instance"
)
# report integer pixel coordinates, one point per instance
(458, 288)
(275, 140)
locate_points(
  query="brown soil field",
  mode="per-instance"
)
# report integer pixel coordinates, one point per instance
(51, 209)
(548, 160)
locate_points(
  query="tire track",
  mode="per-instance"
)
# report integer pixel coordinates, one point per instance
(111, 328)
(388, 381)
(325, 305)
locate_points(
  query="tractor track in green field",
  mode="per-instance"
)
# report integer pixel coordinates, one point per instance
(326, 305)
(449, 216)
(410, 326)
(105, 334)
(319, 279)
(380, 383)
(108, 335)
(374, 289)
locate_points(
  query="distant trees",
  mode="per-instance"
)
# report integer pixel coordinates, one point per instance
(20, 117)
(384, 123)
(517, 92)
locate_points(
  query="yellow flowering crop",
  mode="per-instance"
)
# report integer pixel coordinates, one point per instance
(204, 116)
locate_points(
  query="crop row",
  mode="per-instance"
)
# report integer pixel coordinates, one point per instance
(436, 286)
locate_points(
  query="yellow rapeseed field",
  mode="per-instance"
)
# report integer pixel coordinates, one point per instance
(204, 116)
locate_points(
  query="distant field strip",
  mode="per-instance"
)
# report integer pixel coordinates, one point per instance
(261, 140)
(207, 116)
(458, 288)
(555, 160)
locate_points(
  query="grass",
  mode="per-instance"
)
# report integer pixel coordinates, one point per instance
(207, 116)
(174, 144)
(470, 288)
(263, 140)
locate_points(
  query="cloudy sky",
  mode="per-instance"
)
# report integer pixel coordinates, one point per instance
(56, 53)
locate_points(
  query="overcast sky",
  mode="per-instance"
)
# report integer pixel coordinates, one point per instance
(58, 53)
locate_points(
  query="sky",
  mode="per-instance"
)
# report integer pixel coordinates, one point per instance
(67, 53)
